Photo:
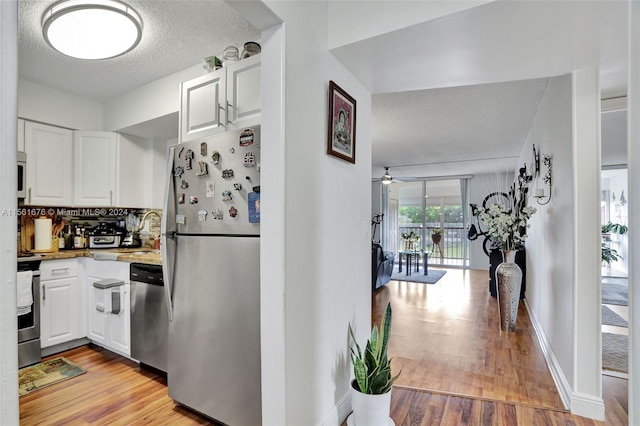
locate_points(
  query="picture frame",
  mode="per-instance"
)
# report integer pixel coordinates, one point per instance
(341, 140)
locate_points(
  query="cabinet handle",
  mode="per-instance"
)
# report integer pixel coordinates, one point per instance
(218, 118)
(110, 198)
(55, 271)
(29, 195)
(44, 293)
(227, 112)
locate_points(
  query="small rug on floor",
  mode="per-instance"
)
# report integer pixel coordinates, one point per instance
(418, 277)
(47, 373)
(615, 352)
(611, 318)
(615, 291)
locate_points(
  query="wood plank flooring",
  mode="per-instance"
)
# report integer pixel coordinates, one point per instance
(115, 391)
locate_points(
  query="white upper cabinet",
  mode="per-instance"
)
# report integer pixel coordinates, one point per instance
(202, 106)
(49, 165)
(225, 99)
(95, 168)
(243, 93)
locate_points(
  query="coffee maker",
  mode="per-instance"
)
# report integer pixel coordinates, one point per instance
(132, 237)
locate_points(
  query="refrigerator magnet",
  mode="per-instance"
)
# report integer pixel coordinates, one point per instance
(202, 169)
(215, 157)
(249, 159)
(180, 218)
(232, 150)
(180, 153)
(237, 186)
(181, 198)
(227, 174)
(246, 137)
(254, 207)
(184, 184)
(193, 200)
(233, 212)
(226, 195)
(188, 156)
(203, 149)
(217, 214)
(178, 171)
(202, 215)
(210, 189)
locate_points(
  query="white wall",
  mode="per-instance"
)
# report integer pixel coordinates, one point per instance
(159, 170)
(479, 187)
(352, 21)
(50, 106)
(326, 210)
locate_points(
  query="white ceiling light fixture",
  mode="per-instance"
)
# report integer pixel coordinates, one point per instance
(92, 29)
(386, 177)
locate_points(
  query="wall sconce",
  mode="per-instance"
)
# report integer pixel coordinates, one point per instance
(540, 193)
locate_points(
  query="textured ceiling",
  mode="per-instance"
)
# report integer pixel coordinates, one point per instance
(177, 34)
(482, 126)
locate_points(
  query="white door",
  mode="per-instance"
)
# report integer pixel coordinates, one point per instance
(95, 167)
(96, 319)
(59, 311)
(49, 165)
(202, 106)
(243, 93)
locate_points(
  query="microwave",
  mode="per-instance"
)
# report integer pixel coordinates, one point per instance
(22, 174)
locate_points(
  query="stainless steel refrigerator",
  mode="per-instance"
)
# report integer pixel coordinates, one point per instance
(211, 267)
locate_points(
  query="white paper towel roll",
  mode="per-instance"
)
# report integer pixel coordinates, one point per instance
(42, 234)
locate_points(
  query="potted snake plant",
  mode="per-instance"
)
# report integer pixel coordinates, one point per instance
(371, 388)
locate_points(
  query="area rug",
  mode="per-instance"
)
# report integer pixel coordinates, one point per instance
(418, 277)
(615, 291)
(615, 352)
(47, 373)
(611, 318)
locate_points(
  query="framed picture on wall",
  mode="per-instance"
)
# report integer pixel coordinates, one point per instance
(341, 141)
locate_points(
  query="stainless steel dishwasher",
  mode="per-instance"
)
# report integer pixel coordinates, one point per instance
(149, 316)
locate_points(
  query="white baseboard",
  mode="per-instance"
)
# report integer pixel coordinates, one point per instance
(339, 412)
(564, 388)
(587, 406)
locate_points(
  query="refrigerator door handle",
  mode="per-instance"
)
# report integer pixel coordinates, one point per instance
(168, 235)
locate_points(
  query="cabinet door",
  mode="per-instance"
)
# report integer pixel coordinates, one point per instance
(96, 320)
(202, 106)
(95, 168)
(243, 93)
(20, 134)
(119, 327)
(59, 320)
(49, 165)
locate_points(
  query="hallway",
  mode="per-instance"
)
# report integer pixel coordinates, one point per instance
(446, 338)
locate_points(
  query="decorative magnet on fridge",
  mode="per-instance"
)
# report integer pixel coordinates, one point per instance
(254, 207)
(210, 189)
(215, 157)
(202, 215)
(226, 195)
(180, 153)
(249, 159)
(178, 171)
(193, 200)
(188, 156)
(233, 212)
(203, 149)
(232, 150)
(246, 137)
(184, 184)
(181, 198)
(217, 214)
(202, 168)
(237, 186)
(227, 174)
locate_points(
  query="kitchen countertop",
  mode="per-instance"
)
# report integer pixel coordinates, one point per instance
(140, 254)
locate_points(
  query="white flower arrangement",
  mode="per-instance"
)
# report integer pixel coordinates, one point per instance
(506, 229)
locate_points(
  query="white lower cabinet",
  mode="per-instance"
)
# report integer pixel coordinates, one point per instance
(61, 303)
(109, 330)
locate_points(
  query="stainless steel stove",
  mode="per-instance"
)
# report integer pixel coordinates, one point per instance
(29, 323)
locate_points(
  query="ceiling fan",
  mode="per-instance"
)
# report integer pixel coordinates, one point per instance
(386, 178)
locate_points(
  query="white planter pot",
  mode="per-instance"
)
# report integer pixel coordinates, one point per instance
(370, 410)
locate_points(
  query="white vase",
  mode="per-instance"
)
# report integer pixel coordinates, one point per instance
(509, 279)
(370, 410)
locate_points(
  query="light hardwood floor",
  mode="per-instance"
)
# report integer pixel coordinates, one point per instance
(494, 388)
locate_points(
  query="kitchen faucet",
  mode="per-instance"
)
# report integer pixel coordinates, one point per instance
(144, 217)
